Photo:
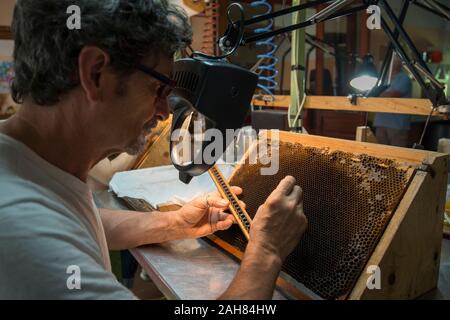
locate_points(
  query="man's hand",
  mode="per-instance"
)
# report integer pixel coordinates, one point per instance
(276, 229)
(280, 222)
(204, 215)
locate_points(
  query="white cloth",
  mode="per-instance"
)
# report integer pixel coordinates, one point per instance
(48, 223)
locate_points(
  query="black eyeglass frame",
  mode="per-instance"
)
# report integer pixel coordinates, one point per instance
(168, 83)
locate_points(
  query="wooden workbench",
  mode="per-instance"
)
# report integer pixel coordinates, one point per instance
(194, 269)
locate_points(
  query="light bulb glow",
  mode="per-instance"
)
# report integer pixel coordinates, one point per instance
(364, 82)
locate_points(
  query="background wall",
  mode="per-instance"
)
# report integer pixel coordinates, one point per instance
(6, 11)
(427, 31)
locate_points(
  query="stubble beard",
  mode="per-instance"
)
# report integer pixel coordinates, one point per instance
(138, 146)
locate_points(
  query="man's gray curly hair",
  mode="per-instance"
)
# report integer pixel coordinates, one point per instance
(46, 51)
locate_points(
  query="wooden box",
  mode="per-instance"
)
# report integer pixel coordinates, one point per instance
(407, 245)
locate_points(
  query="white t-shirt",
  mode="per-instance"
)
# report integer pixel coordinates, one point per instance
(52, 242)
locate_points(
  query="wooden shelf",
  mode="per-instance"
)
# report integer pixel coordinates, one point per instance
(5, 33)
(421, 107)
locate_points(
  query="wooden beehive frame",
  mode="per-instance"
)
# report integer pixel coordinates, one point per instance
(408, 253)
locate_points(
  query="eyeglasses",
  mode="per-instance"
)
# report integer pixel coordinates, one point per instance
(167, 84)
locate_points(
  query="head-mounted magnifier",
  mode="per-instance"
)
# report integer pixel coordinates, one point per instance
(210, 97)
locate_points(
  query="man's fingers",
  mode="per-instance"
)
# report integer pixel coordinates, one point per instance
(297, 194)
(217, 201)
(221, 221)
(214, 199)
(223, 216)
(226, 216)
(285, 186)
(224, 225)
(299, 207)
(236, 190)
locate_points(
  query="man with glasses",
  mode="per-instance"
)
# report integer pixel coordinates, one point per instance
(87, 94)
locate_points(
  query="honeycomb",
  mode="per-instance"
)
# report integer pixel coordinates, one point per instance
(348, 200)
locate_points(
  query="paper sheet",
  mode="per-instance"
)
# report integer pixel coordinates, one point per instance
(161, 184)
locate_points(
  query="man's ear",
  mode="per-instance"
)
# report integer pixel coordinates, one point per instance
(92, 63)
